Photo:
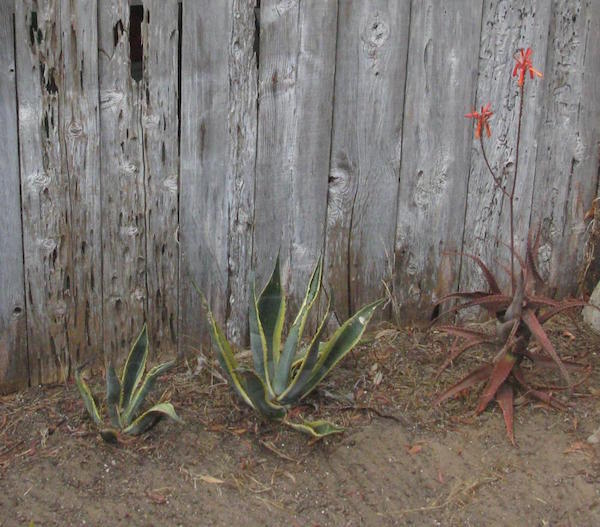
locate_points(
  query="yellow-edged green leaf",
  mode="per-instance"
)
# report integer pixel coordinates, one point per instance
(258, 393)
(149, 418)
(317, 428)
(144, 389)
(88, 398)
(226, 358)
(271, 313)
(134, 367)
(258, 342)
(113, 394)
(283, 368)
(342, 341)
(296, 388)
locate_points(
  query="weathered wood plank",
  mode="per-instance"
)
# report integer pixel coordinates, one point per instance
(13, 331)
(442, 76)
(242, 154)
(44, 189)
(365, 153)
(568, 158)
(296, 81)
(216, 161)
(509, 25)
(80, 135)
(123, 189)
(160, 122)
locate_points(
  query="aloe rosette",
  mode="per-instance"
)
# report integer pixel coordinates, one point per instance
(125, 395)
(285, 372)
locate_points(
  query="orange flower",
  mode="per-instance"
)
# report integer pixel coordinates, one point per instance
(524, 65)
(482, 120)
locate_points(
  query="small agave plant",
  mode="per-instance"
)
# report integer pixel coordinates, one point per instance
(285, 372)
(125, 396)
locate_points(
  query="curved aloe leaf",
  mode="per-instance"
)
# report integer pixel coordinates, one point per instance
(134, 367)
(342, 341)
(271, 313)
(305, 370)
(282, 371)
(258, 343)
(226, 358)
(476, 376)
(144, 390)
(317, 428)
(149, 418)
(88, 398)
(259, 395)
(497, 377)
(113, 393)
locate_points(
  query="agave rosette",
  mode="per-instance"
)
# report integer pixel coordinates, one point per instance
(284, 372)
(125, 395)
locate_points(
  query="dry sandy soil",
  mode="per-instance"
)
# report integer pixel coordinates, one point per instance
(400, 461)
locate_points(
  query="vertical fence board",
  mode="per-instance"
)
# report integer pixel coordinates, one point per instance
(442, 72)
(13, 336)
(160, 37)
(242, 136)
(509, 25)
(568, 158)
(296, 80)
(123, 189)
(365, 154)
(44, 189)
(79, 133)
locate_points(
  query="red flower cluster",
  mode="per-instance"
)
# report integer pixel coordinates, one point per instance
(524, 65)
(482, 120)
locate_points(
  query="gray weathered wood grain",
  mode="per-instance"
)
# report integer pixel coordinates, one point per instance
(509, 25)
(296, 80)
(365, 154)
(442, 75)
(80, 139)
(44, 189)
(123, 189)
(204, 216)
(13, 331)
(159, 106)
(568, 159)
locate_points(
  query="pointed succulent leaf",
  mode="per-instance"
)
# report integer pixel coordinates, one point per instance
(282, 371)
(259, 395)
(263, 364)
(318, 428)
(540, 335)
(226, 359)
(457, 351)
(134, 367)
(304, 372)
(138, 399)
(499, 374)
(88, 398)
(271, 313)
(489, 276)
(113, 394)
(149, 418)
(340, 344)
(504, 397)
(476, 376)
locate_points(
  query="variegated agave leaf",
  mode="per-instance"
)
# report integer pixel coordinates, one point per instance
(88, 398)
(150, 417)
(113, 395)
(134, 368)
(317, 429)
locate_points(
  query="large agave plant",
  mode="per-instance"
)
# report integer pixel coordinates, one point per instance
(125, 396)
(285, 372)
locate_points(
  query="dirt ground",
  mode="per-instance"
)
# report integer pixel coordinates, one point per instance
(400, 461)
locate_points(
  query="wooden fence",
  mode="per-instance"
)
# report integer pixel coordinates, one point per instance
(148, 145)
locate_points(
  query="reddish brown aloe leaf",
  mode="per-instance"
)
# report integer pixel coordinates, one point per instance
(466, 294)
(540, 335)
(499, 374)
(490, 278)
(532, 251)
(565, 305)
(476, 376)
(465, 332)
(504, 397)
(492, 303)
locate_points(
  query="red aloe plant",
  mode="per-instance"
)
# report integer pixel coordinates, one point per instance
(519, 315)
